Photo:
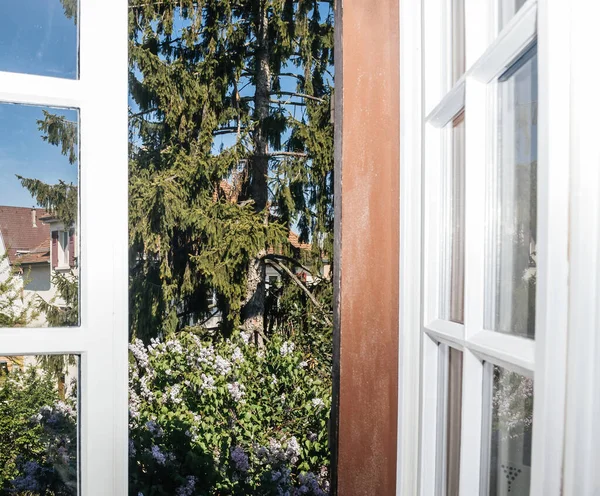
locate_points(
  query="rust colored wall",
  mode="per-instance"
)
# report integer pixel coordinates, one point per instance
(367, 239)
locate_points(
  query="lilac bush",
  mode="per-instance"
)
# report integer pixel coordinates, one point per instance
(227, 417)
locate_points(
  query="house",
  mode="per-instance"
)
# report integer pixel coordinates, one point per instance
(35, 246)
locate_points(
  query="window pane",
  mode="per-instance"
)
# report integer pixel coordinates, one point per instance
(39, 425)
(511, 248)
(453, 222)
(508, 8)
(39, 37)
(511, 428)
(458, 39)
(38, 216)
(453, 427)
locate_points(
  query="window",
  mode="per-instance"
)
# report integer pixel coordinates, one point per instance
(63, 255)
(480, 221)
(511, 277)
(61, 76)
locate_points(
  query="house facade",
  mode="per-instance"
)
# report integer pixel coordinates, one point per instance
(34, 247)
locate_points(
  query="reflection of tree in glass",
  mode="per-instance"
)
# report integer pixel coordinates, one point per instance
(70, 8)
(15, 310)
(62, 201)
(512, 403)
(38, 436)
(524, 266)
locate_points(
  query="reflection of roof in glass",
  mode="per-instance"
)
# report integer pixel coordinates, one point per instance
(25, 241)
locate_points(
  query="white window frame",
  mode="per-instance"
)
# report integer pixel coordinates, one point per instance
(427, 104)
(100, 95)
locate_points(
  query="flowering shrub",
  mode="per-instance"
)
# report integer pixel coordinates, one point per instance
(227, 417)
(38, 436)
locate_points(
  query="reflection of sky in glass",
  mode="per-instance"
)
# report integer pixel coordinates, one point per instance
(36, 37)
(23, 152)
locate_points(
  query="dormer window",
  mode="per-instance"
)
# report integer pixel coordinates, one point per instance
(62, 248)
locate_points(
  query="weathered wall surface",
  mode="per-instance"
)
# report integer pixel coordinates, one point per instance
(367, 237)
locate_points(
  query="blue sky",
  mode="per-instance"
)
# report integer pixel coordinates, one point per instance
(35, 38)
(23, 152)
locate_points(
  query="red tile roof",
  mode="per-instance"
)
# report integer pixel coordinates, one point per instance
(40, 254)
(19, 235)
(294, 240)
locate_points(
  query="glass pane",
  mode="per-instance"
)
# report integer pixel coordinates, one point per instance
(39, 425)
(39, 37)
(511, 256)
(39, 165)
(508, 8)
(453, 427)
(511, 428)
(453, 229)
(458, 39)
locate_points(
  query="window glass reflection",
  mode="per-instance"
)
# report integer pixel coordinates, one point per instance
(39, 249)
(512, 242)
(39, 37)
(39, 425)
(511, 428)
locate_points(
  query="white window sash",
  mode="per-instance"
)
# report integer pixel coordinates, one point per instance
(488, 53)
(101, 97)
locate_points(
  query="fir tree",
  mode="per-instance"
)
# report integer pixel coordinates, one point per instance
(231, 146)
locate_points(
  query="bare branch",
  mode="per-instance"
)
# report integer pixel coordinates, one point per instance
(288, 154)
(281, 102)
(299, 95)
(282, 268)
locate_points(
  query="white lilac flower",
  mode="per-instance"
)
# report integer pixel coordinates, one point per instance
(237, 355)
(206, 355)
(311, 436)
(287, 348)
(240, 459)
(260, 354)
(174, 346)
(140, 353)
(246, 337)
(318, 403)
(222, 365)
(158, 455)
(303, 364)
(208, 382)
(236, 390)
(273, 380)
(292, 450)
(174, 394)
(145, 390)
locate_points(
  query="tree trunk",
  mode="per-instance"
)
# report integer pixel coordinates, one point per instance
(253, 312)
